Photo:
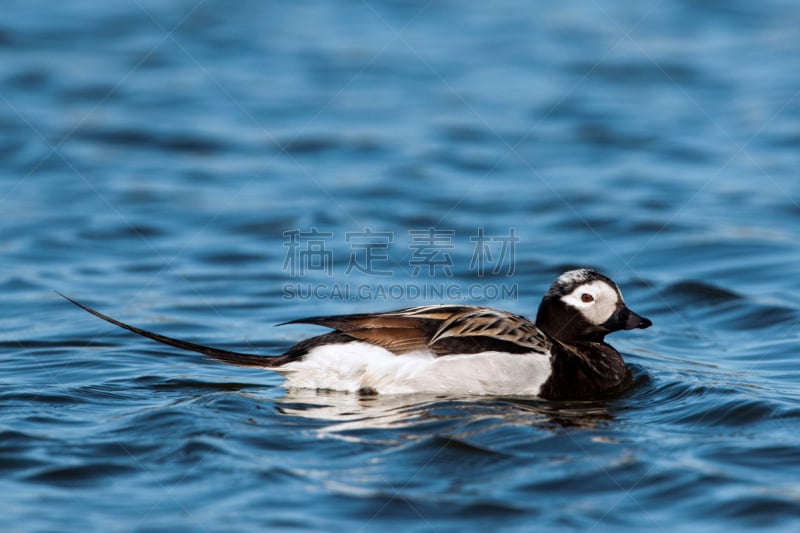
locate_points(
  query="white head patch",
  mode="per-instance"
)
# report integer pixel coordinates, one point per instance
(596, 300)
(574, 276)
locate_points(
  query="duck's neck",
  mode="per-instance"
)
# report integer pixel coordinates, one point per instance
(583, 370)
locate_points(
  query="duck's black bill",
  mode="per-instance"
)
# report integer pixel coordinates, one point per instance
(627, 319)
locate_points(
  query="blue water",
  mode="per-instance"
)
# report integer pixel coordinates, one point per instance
(158, 157)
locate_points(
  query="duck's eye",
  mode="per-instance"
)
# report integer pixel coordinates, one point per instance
(586, 298)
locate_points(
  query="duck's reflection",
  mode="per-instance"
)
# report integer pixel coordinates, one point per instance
(346, 412)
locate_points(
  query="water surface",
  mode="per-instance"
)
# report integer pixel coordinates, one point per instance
(157, 158)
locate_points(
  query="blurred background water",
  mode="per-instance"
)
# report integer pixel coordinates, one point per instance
(169, 163)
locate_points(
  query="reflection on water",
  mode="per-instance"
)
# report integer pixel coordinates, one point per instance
(345, 412)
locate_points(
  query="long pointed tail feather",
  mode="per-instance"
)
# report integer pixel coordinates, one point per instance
(226, 356)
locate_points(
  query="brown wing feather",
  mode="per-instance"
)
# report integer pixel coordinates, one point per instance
(399, 331)
(396, 340)
(362, 321)
(401, 318)
(443, 329)
(436, 312)
(496, 326)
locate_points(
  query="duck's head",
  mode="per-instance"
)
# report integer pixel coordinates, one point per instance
(583, 305)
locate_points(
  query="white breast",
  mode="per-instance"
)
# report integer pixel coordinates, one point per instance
(356, 366)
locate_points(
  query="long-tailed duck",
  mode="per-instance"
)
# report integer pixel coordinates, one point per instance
(458, 349)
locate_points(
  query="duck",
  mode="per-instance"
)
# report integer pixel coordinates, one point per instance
(457, 349)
